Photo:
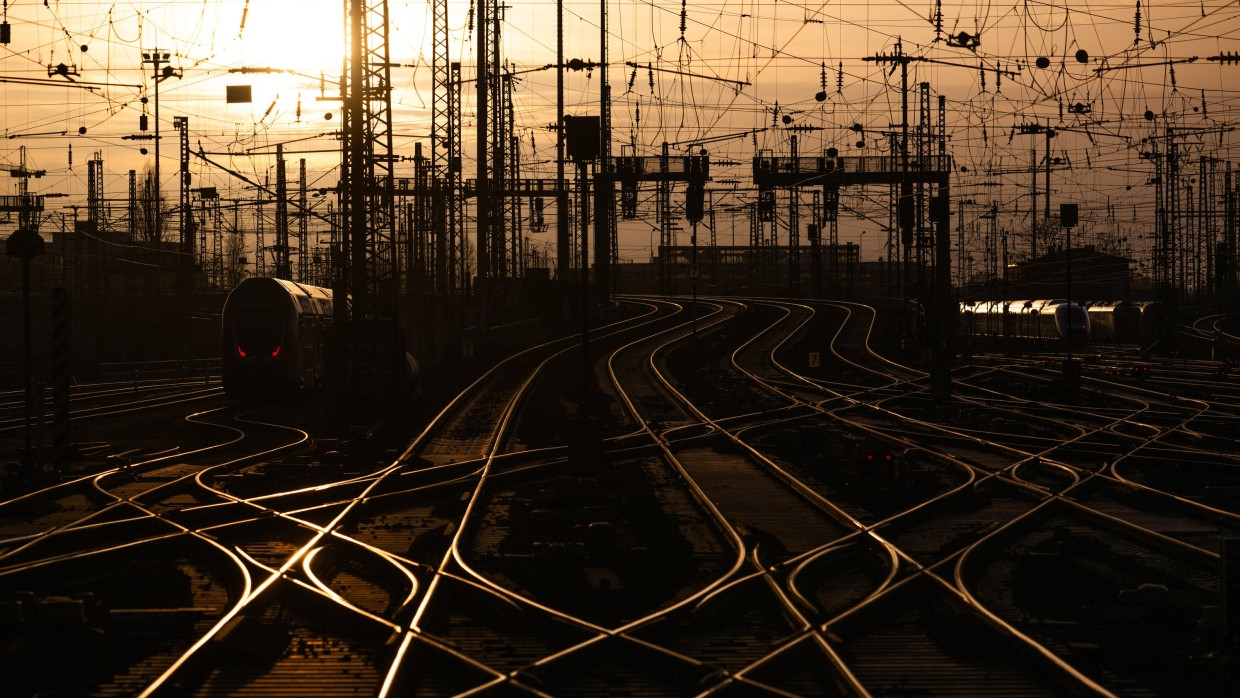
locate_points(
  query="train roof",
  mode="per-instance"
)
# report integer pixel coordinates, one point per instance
(309, 300)
(1014, 306)
(1104, 306)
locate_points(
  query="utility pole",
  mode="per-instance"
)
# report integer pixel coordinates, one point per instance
(158, 60)
(26, 244)
(794, 229)
(583, 145)
(693, 212)
(1033, 204)
(905, 214)
(604, 197)
(1033, 169)
(563, 245)
(1071, 370)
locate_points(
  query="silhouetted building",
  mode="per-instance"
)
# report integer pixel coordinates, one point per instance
(1095, 276)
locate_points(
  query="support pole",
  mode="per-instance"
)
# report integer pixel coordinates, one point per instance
(25, 244)
(563, 256)
(27, 370)
(583, 188)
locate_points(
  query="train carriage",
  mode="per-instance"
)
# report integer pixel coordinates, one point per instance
(1118, 322)
(1041, 322)
(272, 337)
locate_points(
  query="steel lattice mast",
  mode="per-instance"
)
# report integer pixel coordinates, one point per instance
(441, 100)
(367, 355)
(367, 180)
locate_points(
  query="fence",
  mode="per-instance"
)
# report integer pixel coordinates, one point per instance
(158, 370)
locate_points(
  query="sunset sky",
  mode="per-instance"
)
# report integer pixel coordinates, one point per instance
(730, 77)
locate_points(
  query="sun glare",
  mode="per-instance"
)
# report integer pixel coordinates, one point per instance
(305, 37)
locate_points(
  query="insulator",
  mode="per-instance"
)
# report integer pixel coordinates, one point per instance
(1171, 69)
(839, 78)
(632, 78)
(982, 70)
(823, 77)
(1136, 26)
(650, 72)
(684, 12)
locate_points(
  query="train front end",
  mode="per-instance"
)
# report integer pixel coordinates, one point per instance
(259, 340)
(1072, 321)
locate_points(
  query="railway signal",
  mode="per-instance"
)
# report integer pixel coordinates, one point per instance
(886, 461)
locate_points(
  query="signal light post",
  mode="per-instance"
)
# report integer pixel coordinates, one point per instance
(582, 143)
(158, 60)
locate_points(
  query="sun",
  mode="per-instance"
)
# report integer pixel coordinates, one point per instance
(305, 37)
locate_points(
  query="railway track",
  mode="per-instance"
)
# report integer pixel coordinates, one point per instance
(690, 507)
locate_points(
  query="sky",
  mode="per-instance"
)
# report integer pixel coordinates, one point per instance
(1118, 81)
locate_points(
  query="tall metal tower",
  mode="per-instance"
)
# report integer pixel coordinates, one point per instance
(604, 186)
(133, 205)
(283, 263)
(367, 180)
(303, 227)
(441, 92)
(486, 58)
(448, 215)
(458, 264)
(512, 227)
(94, 194)
(367, 349)
(493, 145)
(181, 123)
